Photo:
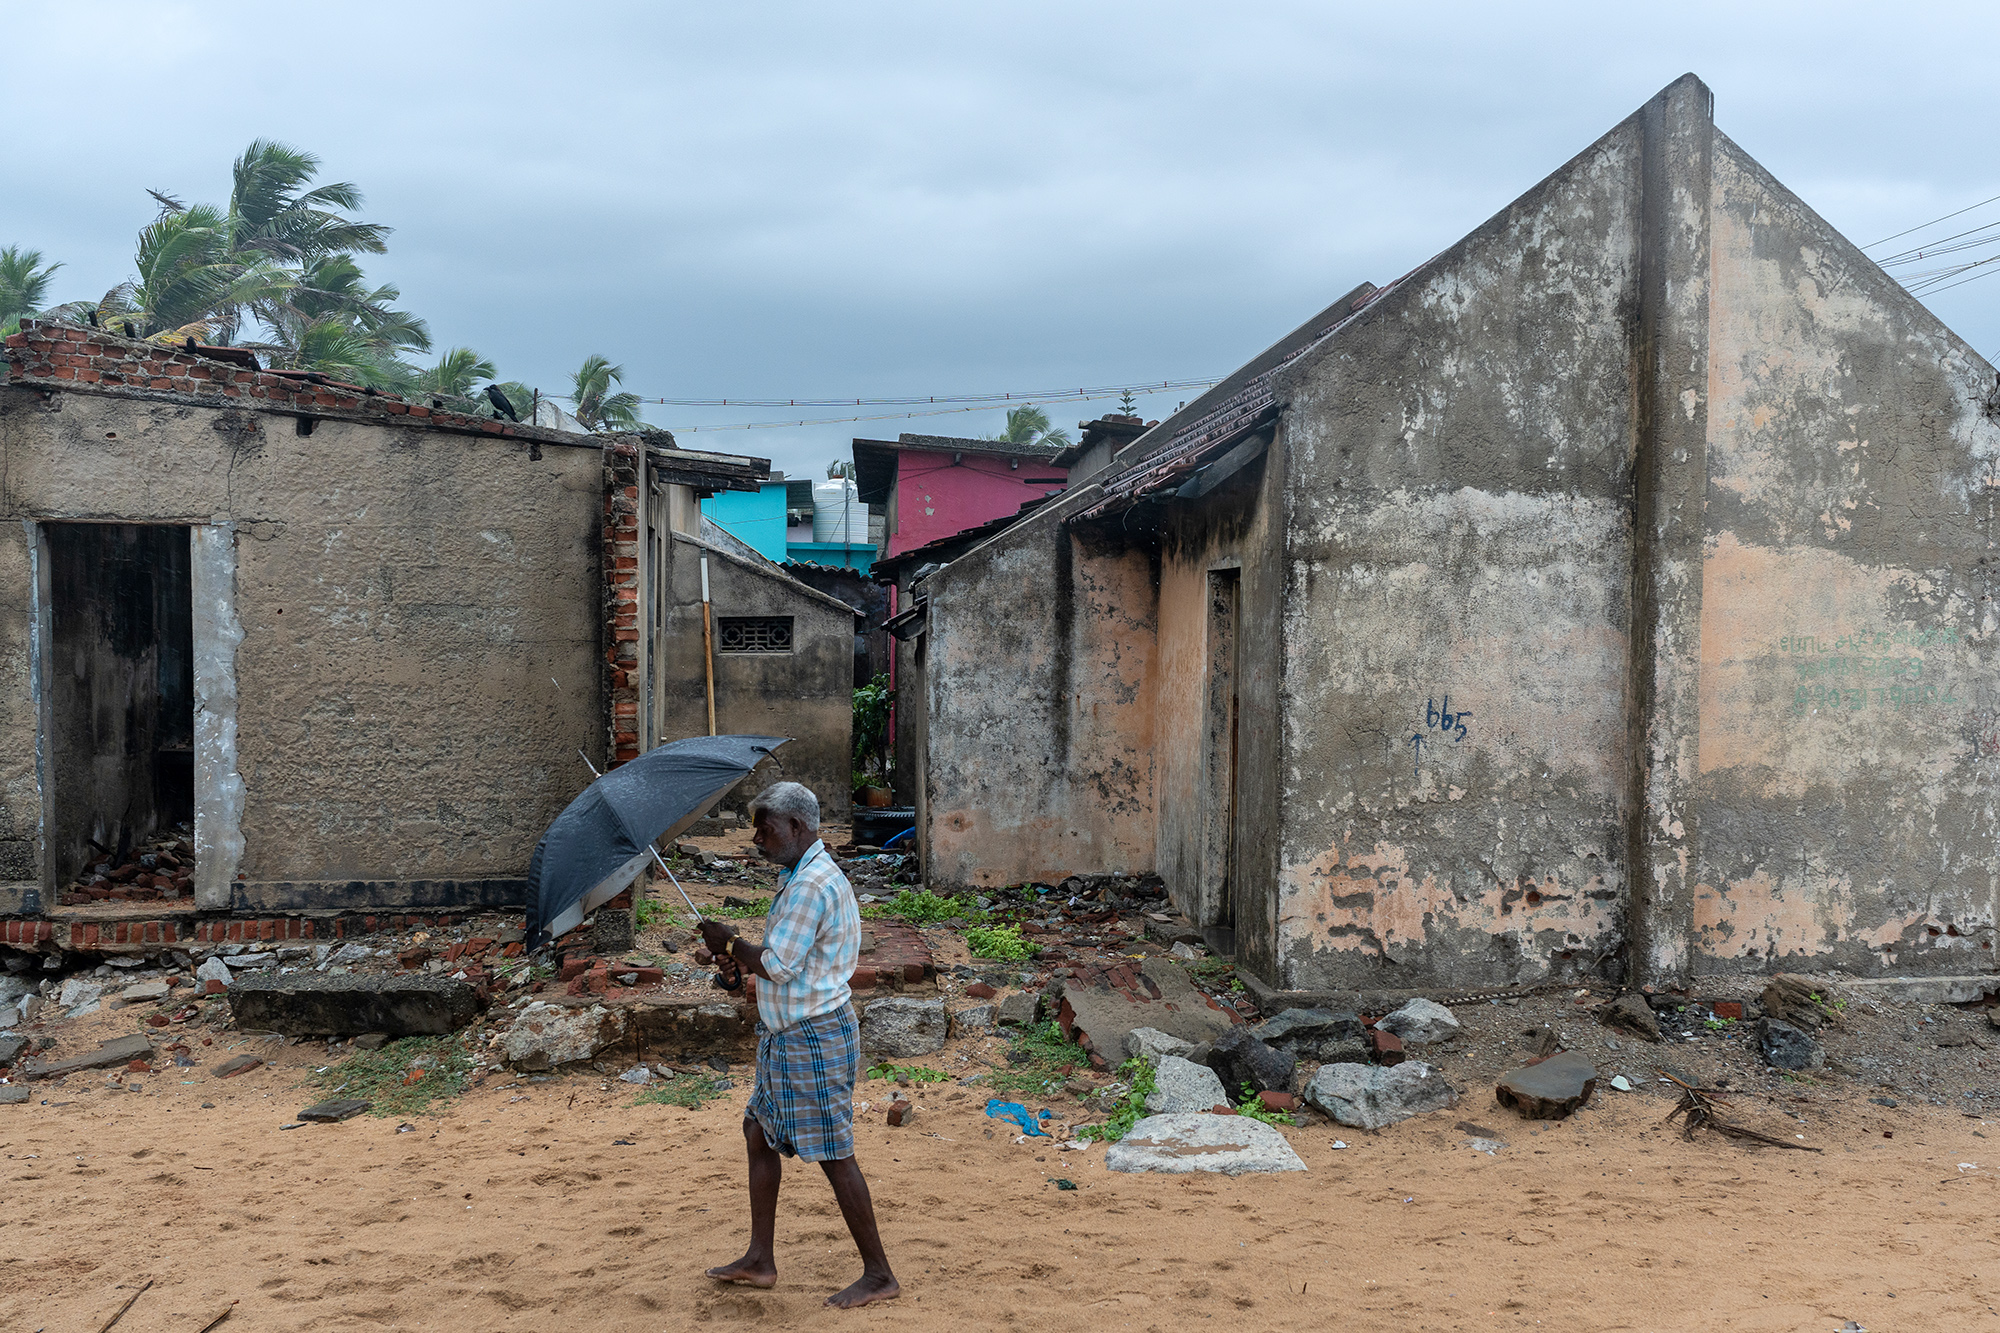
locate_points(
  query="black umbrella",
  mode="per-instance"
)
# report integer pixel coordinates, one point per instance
(603, 840)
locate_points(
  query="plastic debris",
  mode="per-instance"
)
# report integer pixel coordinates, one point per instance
(1014, 1113)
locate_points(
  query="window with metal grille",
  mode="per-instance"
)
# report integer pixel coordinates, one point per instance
(753, 634)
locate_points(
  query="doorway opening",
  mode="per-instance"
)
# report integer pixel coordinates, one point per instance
(1218, 853)
(119, 712)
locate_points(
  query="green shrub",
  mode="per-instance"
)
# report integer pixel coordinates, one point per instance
(1253, 1107)
(921, 907)
(1002, 942)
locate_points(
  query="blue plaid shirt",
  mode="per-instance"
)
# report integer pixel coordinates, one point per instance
(812, 940)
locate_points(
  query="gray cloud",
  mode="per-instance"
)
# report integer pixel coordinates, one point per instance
(886, 199)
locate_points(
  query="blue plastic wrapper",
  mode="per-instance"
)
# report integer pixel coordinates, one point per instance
(1015, 1113)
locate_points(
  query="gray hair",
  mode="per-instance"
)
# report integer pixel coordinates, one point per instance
(791, 800)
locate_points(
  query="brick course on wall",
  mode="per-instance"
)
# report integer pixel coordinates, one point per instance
(621, 600)
(29, 932)
(69, 356)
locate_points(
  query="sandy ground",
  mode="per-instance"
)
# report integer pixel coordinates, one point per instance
(517, 1208)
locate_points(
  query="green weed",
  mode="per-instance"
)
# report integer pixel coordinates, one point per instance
(1003, 942)
(915, 1073)
(1252, 1106)
(441, 1066)
(688, 1090)
(921, 907)
(1131, 1108)
(757, 907)
(1038, 1056)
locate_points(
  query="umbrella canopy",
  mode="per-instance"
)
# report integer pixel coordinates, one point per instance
(602, 841)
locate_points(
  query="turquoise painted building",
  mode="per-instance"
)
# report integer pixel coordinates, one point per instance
(757, 519)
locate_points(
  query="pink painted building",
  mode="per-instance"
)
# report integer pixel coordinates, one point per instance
(935, 486)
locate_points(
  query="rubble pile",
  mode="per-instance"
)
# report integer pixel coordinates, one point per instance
(161, 870)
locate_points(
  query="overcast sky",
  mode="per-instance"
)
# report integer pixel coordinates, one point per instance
(879, 199)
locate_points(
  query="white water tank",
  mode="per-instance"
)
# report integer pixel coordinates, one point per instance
(838, 514)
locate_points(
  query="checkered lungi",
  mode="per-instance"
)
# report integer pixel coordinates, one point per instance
(805, 1086)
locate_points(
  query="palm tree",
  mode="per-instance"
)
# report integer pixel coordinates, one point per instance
(1029, 425)
(596, 406)
(24, 285)
(456, 372)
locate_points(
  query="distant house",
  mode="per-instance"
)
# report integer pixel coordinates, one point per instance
(756, 518)
(934, 486)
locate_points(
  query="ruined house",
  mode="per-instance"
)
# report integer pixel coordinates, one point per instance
(354, 643)
(1610, 595)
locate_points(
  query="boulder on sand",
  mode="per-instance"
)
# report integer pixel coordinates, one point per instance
(1548, 1089)
(1238, 1058)
(902, 1026)
(1181, 1085)
(312, 1004)
(548, 1036)
(1420, 1022)
(1372, 1097)
(1232, 1145)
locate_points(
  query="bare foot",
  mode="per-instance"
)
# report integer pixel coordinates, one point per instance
(866, 1291)
(755, 1272)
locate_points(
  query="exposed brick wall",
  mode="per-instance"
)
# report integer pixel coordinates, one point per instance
(27, 933)
(67, 355)
(621, 546)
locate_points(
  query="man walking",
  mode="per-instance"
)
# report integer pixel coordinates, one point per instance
(808, 1049)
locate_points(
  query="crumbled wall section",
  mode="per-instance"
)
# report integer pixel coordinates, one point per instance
(621, 544)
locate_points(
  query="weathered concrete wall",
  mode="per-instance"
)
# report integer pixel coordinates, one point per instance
(404, 597)
(1226, 544)
(806, 693)
(1849, 684)
(1455, 755)
(1039, 665)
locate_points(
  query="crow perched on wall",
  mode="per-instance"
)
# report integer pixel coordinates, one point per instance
(500, 403)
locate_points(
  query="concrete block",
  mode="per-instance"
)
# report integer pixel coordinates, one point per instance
(312, 1004)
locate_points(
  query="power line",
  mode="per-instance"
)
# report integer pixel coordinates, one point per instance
(1932, 223)
(901, 416)
(988, 399)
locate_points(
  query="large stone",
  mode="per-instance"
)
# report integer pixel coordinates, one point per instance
(1787, 1047)
(1421, 1022)
(79, 997)
(1549, 1089)
(144, 992)
(122, 1051)
(309, 1004)
(1020, 1010)
(1181, 1085)
(1238, 1058)
(214, 969)
(13, 1095)
(973, 1020)
(1178, 1144)
(902, 1026)
(1161, 996)
(1326, 1035)
(1630, 1013)
(1152, 1044)
(548, 1036)
(11, 1048)
(1371, 1097)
